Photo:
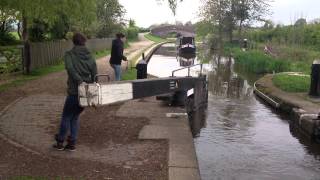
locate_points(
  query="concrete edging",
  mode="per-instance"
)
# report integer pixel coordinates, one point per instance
(182, 161)
(307, 122)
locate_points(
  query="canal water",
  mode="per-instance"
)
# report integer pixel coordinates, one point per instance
(238, 136)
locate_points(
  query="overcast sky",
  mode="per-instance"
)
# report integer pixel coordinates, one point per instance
(148, 12)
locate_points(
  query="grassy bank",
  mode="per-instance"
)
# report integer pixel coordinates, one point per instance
(287, 60)
(35, 74)
(292, 83)
(130, 74)
(21, 79)
(153, 38)
(258, 62)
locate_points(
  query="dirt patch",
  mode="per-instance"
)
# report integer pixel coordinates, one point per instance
(17, 163)
(101, 125)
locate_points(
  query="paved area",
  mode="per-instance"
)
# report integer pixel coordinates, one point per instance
(108, 145)
(122, 141)
(183, 164)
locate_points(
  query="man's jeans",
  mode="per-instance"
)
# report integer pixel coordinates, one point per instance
(70, 119)
(117, 71)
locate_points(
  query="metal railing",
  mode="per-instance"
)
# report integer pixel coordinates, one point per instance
(188, 69)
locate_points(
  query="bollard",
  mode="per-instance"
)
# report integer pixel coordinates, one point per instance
(315, 78)
(142, 67)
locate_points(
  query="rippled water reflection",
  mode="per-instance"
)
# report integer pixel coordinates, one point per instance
(245, 139)
(242, 138)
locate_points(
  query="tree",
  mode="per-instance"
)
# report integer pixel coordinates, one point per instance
(61, 27)
(82, 12)
(268, 24)
(38, 30)
(110, 17)
(47, 11)
(172, 5)
(300, 22)
(215, 11)
(228, 14)
(132, 31)
(132, 23)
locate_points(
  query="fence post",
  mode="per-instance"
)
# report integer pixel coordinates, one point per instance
(26, 57)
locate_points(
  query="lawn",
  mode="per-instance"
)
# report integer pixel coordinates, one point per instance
(292, 82)
(154, 38)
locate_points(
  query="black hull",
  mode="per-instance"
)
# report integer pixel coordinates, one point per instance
(187, 50)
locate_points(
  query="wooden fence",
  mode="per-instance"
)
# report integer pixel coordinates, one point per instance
(49, 53)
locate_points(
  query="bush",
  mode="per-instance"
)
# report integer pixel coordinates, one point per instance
(257, 62)
(7, 39)
(10, 60)
(132, 33)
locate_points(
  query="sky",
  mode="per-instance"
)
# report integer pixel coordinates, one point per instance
(148, 12)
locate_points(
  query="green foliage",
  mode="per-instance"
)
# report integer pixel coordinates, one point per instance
(100, 54)
(154, 38)
(292, 83)
(110, 17)
(301, 36)
(132, 33)
(10, 60)
(48, 19)
(203, 28)
(257, 62)
(38, 30)
(143, 30)
(60, 27)
(8, 39)
(130, 74)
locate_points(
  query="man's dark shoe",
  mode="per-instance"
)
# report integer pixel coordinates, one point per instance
(58, 146)
(70, 147)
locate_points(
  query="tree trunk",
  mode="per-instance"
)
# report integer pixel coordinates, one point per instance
(230, 35)
(19, 30)
(26, 49)
(3, 27)
(240, 31)
(220, 46)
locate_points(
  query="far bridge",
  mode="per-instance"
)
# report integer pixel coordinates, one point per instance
(162, 31)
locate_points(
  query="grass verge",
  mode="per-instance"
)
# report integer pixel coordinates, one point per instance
(37, 73)
(154, 38)
(292, 83)
(256, 61)
(130, 74)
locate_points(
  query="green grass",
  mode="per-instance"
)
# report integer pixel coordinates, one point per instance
(37, 73)
(256, 61)
(130, 74)
(259, 63)
(292, 83)
(153, 38)
(100, 54)
(15, 35)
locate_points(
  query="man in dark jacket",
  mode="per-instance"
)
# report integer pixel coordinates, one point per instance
(117, 55)
(81, 68)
